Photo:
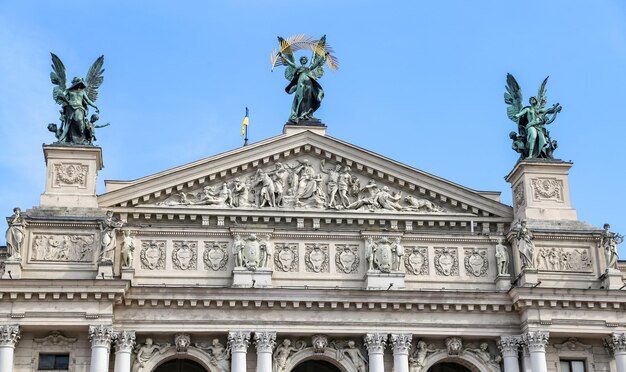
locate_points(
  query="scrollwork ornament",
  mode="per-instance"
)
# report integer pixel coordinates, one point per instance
(536, 340)
(446, 261)
(416, 260)
(55, 338)
(316, 258)
(286, 257)
(264, 341)
(347, 258)
(215, 255)
(184, 255)
(101, 335)
(476, 262)
(238, 341)
(10, 335)
(518, 195)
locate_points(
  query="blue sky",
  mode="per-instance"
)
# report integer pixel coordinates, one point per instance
(420, 82)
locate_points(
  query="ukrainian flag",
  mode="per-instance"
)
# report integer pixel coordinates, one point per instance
(245, 123)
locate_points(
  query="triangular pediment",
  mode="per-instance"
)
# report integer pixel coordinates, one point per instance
(301, 169)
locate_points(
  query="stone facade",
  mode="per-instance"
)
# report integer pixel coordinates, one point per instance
(303, 247)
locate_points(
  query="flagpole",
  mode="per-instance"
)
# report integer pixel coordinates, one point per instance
(245, 140)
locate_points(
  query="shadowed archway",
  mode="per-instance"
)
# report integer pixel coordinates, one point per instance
(180, 365)
(315, 366)
(448, 367)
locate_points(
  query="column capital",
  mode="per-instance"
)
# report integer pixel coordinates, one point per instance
(124, 341)
(264, 341)
(536, 340)
(401, 342)
(10, 334)
(238, 341)
(509, 345)
(100, 335)
(616, 343)
(375, 342)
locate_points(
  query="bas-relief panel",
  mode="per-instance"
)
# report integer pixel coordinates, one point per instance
(566, 259)
(306, 182)
(63, 247)
(70, 174)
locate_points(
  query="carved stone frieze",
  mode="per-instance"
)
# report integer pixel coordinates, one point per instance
(70, 174)
(536, 340)
(238, 341)
(446, 261)
(101, 335)
(10, 334)
(454, 345)
(286, 257)
(476, 263)
(347, 258)
(316, 258)
(182, 341)
(64, 247)
(416, 260)
(215, 255)
(547, 189)
(124, 341)
(519, 197)
(152, 255)
(55, 338)
(185, 255)
(564, 259)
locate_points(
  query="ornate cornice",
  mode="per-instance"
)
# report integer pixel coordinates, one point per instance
(10, 335)
(509, 345)
(100, 335)
(264, 341)
(616, 343)
(401, 342)
(536, 340)
(238, 341)
(124, 341)
(375, 342)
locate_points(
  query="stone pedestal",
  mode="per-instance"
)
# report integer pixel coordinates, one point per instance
(503, 282)
(128, 273)
(105, 270)
(541, 190)
(313, 126)
(71, 173)
(244, 278)
(375, 280)
(12, 269)
(612, 279)
(528, 278)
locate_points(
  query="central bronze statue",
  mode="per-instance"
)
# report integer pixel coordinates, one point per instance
(308, 93)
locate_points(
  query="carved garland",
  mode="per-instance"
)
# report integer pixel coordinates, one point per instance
(70, 174)
(547, 188)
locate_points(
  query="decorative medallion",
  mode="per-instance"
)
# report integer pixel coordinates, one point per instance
(253, 252)
(476, 262)
(184, 255)
(347, 258)
(518, 195)
(215, 255)
(70, 174)
(286, 257)
(152, 255)
(416, 260)
(454, 345)
(316, 258)
(446, 261)
(547, 189)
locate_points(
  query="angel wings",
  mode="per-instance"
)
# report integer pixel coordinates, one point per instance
(532, 140)
(75, 100)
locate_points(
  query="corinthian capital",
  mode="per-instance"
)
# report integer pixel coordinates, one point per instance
(536, 340)
(401, 342)
(509, 345)
(239, 341)
(264, 341)
(9, 335)
(124, 341)
(375, 342)
(616, 342)
(100, 335)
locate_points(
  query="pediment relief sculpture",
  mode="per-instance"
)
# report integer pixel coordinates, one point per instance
(305, 182)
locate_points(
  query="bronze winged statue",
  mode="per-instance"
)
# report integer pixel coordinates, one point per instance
(76, 127)
(532, 139)
(308, 93)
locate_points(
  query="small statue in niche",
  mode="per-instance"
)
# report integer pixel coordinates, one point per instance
(398, 252)
(128, 249)
(108, 228)
(502, 258)
(609, 241)
(266, 251)
(15, 234)
(525, 246)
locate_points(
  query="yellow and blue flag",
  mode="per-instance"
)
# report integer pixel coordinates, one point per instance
(245, 123)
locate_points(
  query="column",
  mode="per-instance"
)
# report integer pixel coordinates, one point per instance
(509, 347)
(264, 342)
(536, 342)
(124, 345)
(9, 336)
(100, 337)
(617, 343)
(375, 343)
(401, 343)
(525, 359)
(238, 342)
